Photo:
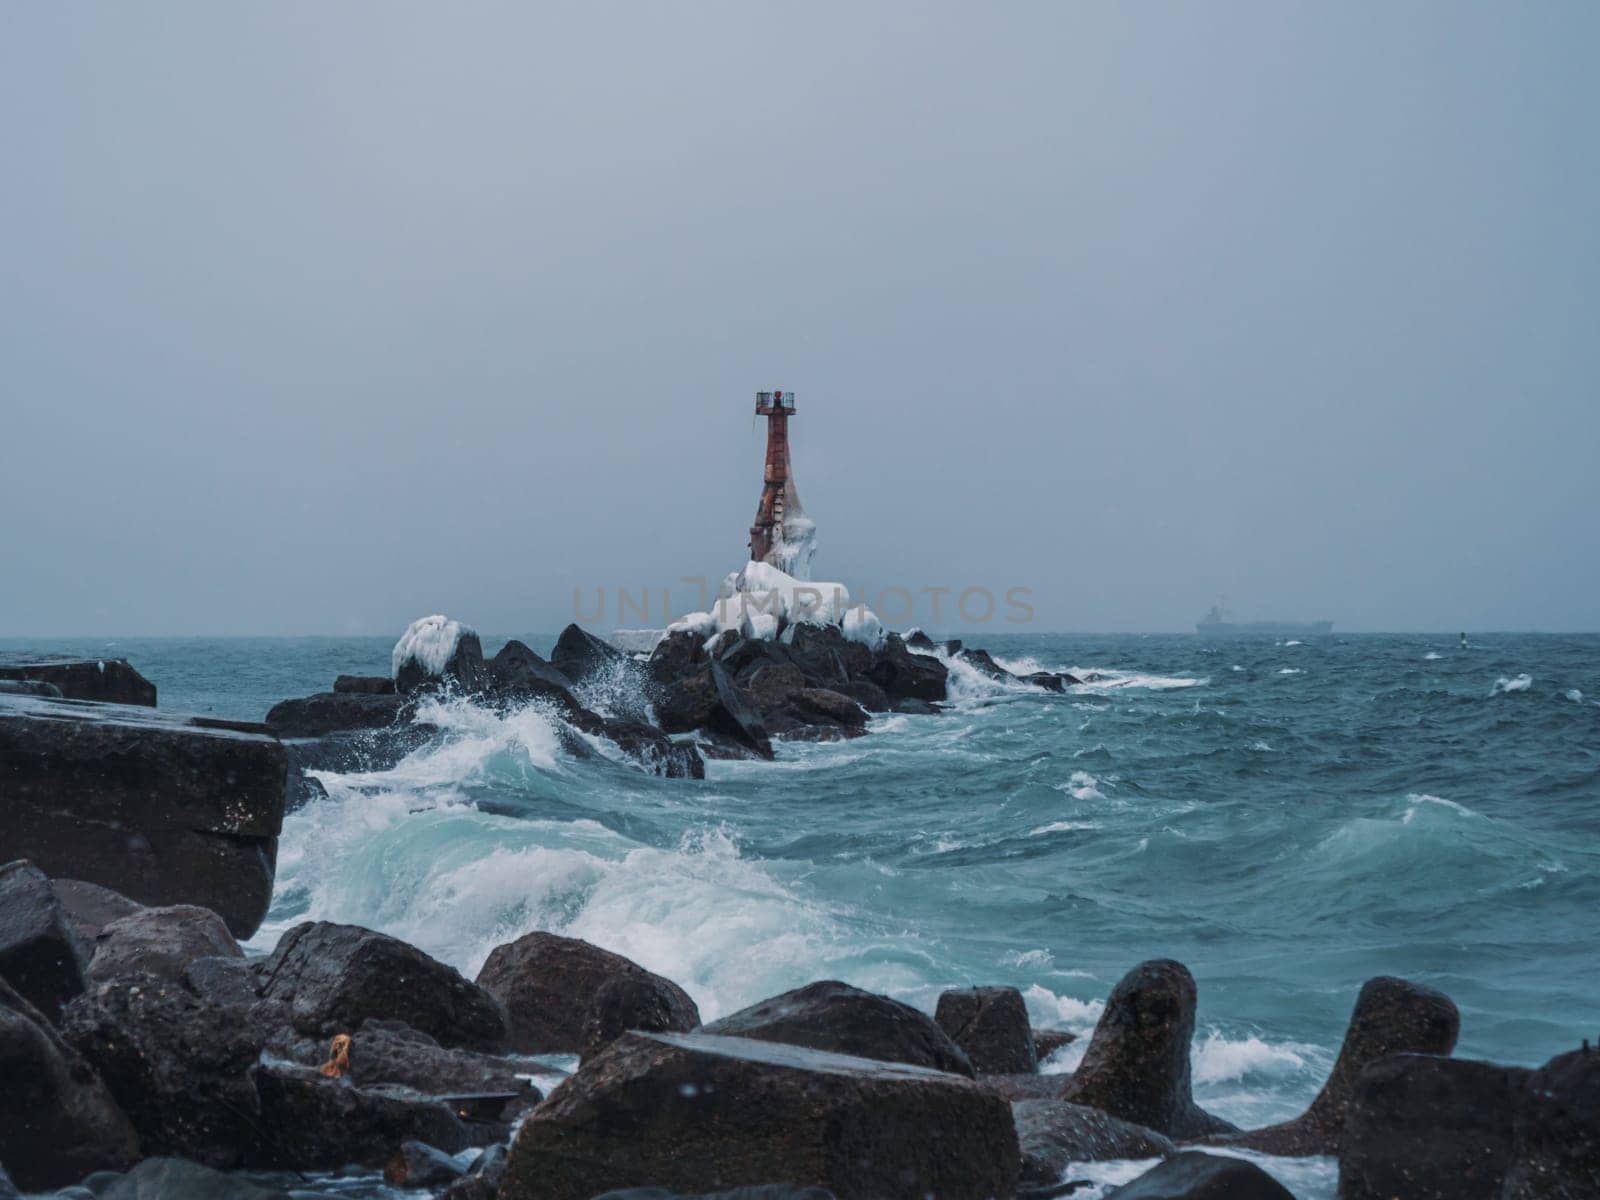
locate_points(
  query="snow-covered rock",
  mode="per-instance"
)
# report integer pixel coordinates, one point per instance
(437, 648)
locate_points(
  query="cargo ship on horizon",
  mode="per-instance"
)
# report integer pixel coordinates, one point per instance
(1219, 623)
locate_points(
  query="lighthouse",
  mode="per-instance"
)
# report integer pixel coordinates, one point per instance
(782, 534)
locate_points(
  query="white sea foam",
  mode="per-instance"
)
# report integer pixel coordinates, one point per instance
(1028, 958)
(429, 641)
(1294, 642)
(1236, 667)
(1517, 683)
(1105, 679)
(1082, 786)
(1417, 801)
(1289, 671)
(1575, 695)
(1062, 827)
(1432, 656)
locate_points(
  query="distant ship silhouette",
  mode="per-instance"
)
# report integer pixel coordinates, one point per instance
(1219, 623)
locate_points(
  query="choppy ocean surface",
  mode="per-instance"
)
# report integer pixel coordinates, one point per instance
(1287, 819)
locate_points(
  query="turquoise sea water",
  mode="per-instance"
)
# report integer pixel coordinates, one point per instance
(1287, 819)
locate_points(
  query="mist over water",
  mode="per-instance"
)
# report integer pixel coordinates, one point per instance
(1287, 819)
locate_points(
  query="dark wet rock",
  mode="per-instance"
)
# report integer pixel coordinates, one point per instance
(418, 1165)
(1137, 1064)
(1047, 1041)
(30, 687)
(109, 680)
(991, 1025)
(463, 672)
(517, 673)
(1556, 1153)
(1392, 1016)
(915, 708)
(906, 676)
(313, 1122)
(392, 1052)
(8, 1190)
(334, 977)
(834, 1016)
(797, 725)
(482, 1181)
(917, 640)
(1050, 681)
(161, 942)
(58, 1121)
(742, 657)
(222, 979)
(40, 954)
(773, 684)
(164, 809)
(865, 693)
(179, 1179)
(676, 655)
(370, 685)
(1196, 1176)
(177, 1065)
(1428, 1128)
(635, 1002)
(819, 651)
(716, 746)
(831, 706)
(582, 657)
(983, 662)
(90, 908)
(711, 701)
(549, 985)
(653, 749)
(759, 1191)
(1053, 1134)
(1030, 1086)
(694, 1112)
(336, 712)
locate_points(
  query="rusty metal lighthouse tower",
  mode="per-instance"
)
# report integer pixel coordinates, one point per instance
(782, 533)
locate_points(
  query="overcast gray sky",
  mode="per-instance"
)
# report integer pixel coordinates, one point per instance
(319, 317)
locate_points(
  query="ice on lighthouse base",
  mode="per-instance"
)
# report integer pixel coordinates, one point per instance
(760, 601)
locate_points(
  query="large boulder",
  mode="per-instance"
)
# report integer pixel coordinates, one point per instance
(336, 712)
(865, 693)
(516, 673)
(834, 1016)
(549, 985)
(164, 809)
(334, 977)
(711, 701)
(58, 1122)
(311, 1121)
(370, 685)
(906, 676)
(417, 1165)
(983, 662)
(828, 705)
(90, 908)
(436, 652)
(1392, 1016)
(1428, 1128)
(179, 1179)
(1053, 1135)
(178, 1066)
(759, 1191)
(701, 1113)
(652, 749)
(392, 1052)
(581, 657)
(1196, 1176)
(109, 680)
(161, 942)
(634, 1002)
(1137, 1063)
(1556, 1155)
(40, 955)
(676, 655)
(991, 1025)
(772, 685)
(819, 651)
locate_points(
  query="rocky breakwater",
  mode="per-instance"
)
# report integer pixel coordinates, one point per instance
(164, 809)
